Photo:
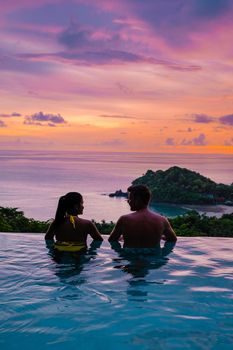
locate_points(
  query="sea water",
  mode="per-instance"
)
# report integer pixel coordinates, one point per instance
(173, 297)
(34, 180)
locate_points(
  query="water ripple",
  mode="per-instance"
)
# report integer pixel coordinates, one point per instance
(114, 298)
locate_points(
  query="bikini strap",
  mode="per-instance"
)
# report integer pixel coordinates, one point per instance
(72, 220)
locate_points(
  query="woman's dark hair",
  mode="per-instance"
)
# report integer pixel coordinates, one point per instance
(66, 205)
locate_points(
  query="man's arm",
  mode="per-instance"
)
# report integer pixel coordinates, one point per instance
(168, 232)
(50, 232)
(94, 233)
(117, 231)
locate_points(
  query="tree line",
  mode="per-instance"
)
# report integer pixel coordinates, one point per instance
(190, 224)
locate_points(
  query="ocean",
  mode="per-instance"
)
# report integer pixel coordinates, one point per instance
(34, 180)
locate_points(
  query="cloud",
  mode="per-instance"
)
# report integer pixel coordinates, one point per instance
(20, 63)
(227, 119)
(74, 36)
(177, 22)
(79, 37)
(212, 8)
(92, 46)
(200, 140)
(97, 56)
(206, 119)
(185, 142)
(202, 118)
(15, 114)
(10, 115)
(170, 141)
(187, 130)
(42, 119)
(2, 124)
(123, 88)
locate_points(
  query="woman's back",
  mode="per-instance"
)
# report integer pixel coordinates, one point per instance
(67, 226)
(73, 229)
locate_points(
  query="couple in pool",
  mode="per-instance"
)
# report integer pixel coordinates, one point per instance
(140, 229)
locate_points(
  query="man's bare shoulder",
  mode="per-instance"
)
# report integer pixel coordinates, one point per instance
(157, 216)
(126, 217)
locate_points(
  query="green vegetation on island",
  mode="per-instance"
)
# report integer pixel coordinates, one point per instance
(190, 224)
(183, 186)
(194, 224)
(13, 220)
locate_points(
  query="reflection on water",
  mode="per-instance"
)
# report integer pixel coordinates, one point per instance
(140, 261)
(111, 298)
(70, 265)
(135, 262)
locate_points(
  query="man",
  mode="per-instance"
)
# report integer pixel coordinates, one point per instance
(143, 228)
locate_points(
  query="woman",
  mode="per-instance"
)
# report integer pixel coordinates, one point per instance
(69, 230)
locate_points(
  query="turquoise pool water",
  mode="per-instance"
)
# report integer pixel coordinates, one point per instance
(116, 299)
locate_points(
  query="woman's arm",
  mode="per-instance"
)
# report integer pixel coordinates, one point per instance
(94, 233)
(50, 232)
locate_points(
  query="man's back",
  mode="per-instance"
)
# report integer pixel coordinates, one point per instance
(142, 229)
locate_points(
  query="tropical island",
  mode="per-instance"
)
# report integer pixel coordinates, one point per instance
(175, 185)
(190, 224)
(183, 186)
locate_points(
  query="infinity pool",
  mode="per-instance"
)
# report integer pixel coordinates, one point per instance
(116, 299)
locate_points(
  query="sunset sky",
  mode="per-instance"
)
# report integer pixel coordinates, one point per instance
(122, 75)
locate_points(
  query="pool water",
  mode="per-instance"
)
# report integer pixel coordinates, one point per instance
(109, 298)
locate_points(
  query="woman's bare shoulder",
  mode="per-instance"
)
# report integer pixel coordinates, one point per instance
(84, 222)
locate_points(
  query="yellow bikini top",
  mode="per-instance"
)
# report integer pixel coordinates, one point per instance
(72, 219)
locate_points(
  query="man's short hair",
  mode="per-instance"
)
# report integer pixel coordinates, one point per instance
(140, 191)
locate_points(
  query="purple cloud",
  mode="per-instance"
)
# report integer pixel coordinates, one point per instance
(41, 118)
(176, 20)
(74, 36)
(170, 141)
(10, 115)
(78, 37)
(202, 118)
(20, 63)
(227, 119)
(200, 140)
(212, 8)
(2, 124)
(123, 88)
(15, 114)
(185, 142)
(109, 56)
